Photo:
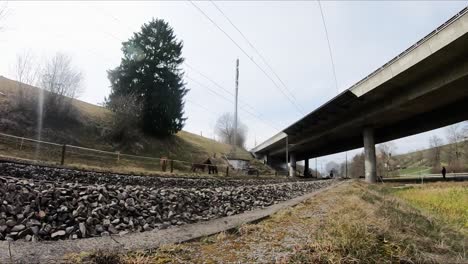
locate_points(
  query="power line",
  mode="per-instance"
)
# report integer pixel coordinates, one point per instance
(329, 46)
(248, 56)
(201, 106)
(230, 101)
(256, 51)
(244, 103)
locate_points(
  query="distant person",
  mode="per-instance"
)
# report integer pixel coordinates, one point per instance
(444, 171)
(331, 174)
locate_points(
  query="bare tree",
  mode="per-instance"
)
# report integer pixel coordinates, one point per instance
(435, 149)
(356, 166)
(26, 72)
(3, 12)
(126, 119)
(62, 81)
(224, 128)
(385, 162)
(455, 137)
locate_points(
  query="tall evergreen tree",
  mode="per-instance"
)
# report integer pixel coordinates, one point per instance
(150, 72)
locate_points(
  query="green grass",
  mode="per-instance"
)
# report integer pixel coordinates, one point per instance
(447, 201)
(415, 171)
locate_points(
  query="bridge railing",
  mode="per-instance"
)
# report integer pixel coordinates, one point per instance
(414, 46)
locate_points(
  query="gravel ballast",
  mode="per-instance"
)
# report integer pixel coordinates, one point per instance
(40, 203)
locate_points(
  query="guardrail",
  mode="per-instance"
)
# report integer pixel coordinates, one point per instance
(88, 158)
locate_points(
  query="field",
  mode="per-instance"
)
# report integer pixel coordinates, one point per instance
(414, 171)
(352, 223)
(91, 131)
(446, 201)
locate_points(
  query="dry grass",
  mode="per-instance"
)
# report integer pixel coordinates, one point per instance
(90, 132)
(353, 223)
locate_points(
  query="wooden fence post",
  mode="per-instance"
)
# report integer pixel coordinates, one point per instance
(227, 171)
(172, 166)
(21, 145)
(64, 149)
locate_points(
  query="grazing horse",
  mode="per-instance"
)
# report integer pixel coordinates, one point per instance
(212, 169)
(195, 167)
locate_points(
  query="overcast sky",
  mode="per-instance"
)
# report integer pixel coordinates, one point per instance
(290, 36)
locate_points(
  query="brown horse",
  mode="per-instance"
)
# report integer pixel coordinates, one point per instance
(196, 167)
(212, 169)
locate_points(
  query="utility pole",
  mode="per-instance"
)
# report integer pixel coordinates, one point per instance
(316, 170)
(235, 106)
(287, 155)
(346, 165)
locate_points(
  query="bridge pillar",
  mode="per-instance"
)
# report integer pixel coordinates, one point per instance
(370, 167)
(306, 168)
(292, 167)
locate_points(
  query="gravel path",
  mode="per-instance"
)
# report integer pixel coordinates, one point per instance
(40, 203)
(88, 177)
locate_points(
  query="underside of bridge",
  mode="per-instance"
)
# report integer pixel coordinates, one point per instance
(429, 94)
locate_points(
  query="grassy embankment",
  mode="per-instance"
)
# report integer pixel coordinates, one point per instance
(352, 223)
(91, 129)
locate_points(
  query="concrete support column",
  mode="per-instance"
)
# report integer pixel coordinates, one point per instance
(292, 167)
(370, 166)
(306, 168)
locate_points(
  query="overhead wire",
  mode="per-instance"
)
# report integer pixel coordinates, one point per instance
(230, 101)
(256, 51)
(242, 100)
(248, 56)
(329, 46)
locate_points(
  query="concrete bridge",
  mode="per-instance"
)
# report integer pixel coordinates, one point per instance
(423, 88)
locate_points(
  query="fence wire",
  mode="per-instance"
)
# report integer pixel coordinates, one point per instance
(87, 158)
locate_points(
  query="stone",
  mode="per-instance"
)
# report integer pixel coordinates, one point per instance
(69, 229)
(35, 229)
(122, 233)
(17, 228)
(59, 233)
(33, 222)
(85, 204)
(41, 214)
(112, 229)
(10, 222)
(82, 227)
(130, 201)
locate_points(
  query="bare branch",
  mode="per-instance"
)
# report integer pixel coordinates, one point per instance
(62, 81)
(224, 128)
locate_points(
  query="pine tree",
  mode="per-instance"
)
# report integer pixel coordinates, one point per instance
(150, 72)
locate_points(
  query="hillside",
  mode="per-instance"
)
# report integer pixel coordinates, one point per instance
(418, 162)
(91, 127)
